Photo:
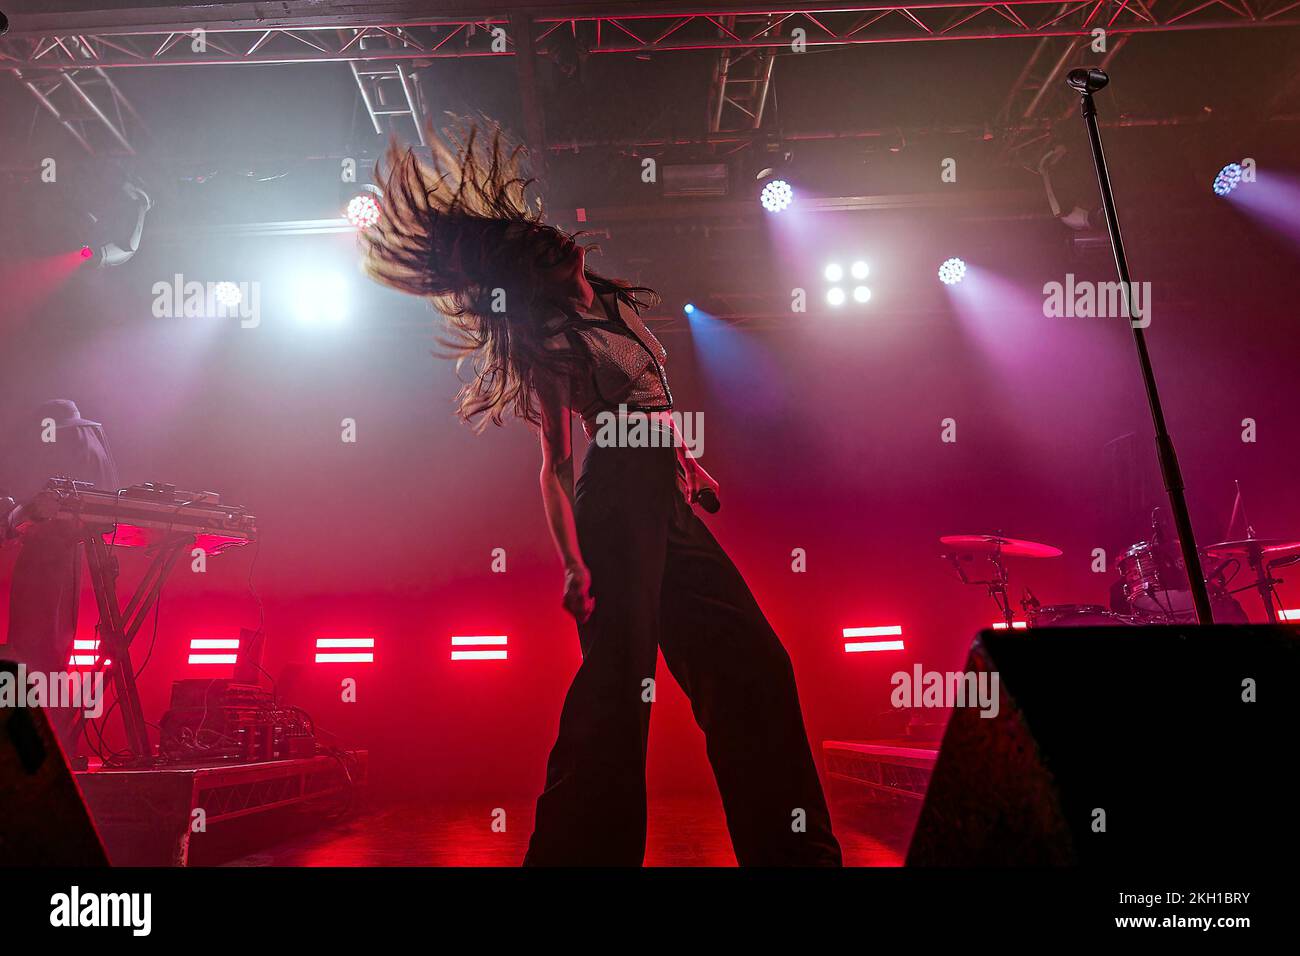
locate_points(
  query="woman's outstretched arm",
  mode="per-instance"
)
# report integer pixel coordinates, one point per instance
(557, 496)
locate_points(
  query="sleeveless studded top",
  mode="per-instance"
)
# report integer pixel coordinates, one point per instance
(625, 363)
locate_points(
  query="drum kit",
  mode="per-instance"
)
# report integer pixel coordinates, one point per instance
(1152, 586)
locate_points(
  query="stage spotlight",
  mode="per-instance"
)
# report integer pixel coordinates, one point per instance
(836, 295)
(776, 195)
(952, 271)
(120, 224)
(320, 298)
(227, 294)
(689, 308)
(1228, 179)
(363, 211)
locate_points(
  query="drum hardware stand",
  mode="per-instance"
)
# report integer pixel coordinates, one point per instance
(118, 628)
(996, 585)
(1274, 582)
(1087, 82)
(1255, 550)
(1265, 583)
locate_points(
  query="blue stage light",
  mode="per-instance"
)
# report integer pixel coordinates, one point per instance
(1228, 179)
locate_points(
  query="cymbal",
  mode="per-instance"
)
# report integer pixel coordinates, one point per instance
(990, 543)
(1245, 546)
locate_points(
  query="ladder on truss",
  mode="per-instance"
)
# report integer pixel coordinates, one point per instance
(389, 91)
(741, 79)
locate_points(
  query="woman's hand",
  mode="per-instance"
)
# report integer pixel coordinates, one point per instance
(697, 480)
(577, 592)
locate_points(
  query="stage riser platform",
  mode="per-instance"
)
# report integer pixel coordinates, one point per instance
(145, 816)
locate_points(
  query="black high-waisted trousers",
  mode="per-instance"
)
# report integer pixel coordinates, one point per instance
(661, 580)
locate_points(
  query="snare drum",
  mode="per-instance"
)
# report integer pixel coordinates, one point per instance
(1077, 615)
(1155, 581)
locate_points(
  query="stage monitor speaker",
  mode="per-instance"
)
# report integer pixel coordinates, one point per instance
(1117, 746)
(43, 818)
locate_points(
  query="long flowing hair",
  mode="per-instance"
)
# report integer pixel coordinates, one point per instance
(462, 232)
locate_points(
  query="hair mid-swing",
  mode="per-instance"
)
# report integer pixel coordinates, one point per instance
(461, 231)
(642, 571)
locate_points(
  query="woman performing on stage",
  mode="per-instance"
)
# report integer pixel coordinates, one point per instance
(546, 338)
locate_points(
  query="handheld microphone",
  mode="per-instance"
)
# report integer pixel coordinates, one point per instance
(1087, 81)
(707, 500)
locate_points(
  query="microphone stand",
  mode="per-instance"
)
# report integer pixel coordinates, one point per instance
(1087, 82)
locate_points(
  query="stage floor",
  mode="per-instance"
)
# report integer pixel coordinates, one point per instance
(684, 831)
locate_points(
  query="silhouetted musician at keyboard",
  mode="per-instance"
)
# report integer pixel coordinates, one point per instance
(52, 440)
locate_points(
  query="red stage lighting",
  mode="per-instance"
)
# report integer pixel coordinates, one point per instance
(345, 650)
(85, 653)
(230, 644)
(476, 645)
(887, 630)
